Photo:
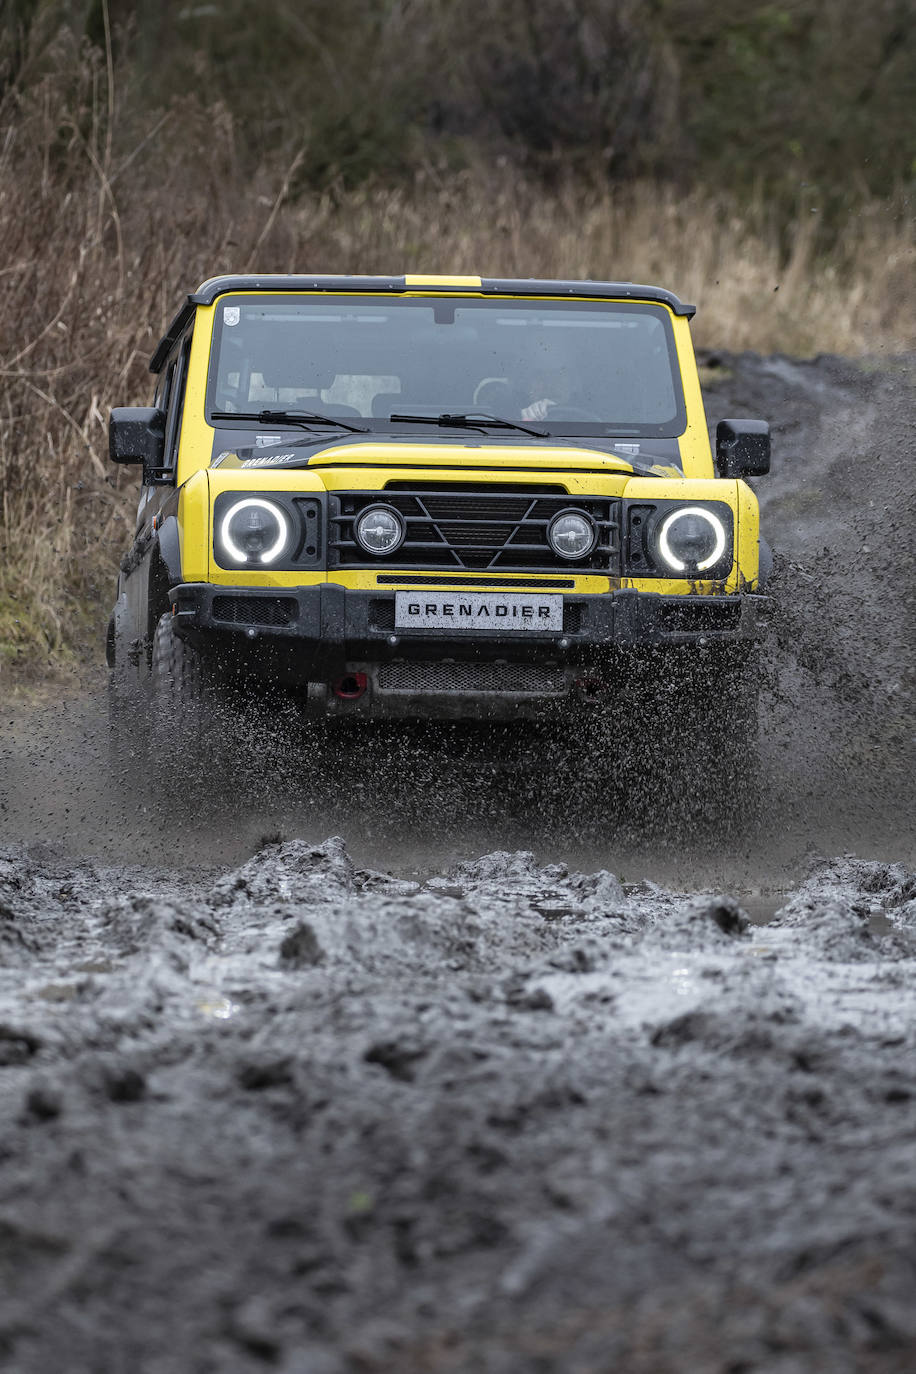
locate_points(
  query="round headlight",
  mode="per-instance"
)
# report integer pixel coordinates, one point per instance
(691, 537)
(254, 531)
(380, 530)
(572, 534)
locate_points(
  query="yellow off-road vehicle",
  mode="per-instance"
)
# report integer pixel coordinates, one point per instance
(408, 497)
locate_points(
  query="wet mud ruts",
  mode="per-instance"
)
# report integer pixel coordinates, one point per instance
(303, 1116)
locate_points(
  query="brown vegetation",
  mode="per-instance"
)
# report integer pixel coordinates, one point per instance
(101, 238)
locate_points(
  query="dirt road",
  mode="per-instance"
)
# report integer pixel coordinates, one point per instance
(622, 1103)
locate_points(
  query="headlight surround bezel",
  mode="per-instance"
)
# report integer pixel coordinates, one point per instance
(587, 520)
(304, 545)
(645, 526)
(375, 508)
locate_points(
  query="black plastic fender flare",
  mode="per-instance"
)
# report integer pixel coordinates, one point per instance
(765, 567)
(170, 549)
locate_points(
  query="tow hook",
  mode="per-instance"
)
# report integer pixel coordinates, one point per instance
(350, 687)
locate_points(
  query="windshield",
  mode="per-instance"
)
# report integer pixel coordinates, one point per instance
(590, 368)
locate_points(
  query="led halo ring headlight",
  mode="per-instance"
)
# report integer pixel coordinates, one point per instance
(379, 530)
(572, 534)
(707, 545)
(250, 545)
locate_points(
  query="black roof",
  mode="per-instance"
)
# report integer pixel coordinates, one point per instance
(209, 290)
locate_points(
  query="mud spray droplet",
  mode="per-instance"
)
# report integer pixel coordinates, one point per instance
(218, 1008)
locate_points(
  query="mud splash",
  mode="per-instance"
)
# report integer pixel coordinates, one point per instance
(839, 509)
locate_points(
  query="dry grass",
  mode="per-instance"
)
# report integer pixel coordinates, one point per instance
(100, 245)
(750, 293)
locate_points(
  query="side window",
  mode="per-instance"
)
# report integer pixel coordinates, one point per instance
(174, 401)
(163, 386)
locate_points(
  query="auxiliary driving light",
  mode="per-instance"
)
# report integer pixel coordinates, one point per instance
(572, 534)
(254, 531)
(691, 537)
(380, 530)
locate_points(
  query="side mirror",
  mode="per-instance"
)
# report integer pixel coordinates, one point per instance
(742, 448)
(136, 434)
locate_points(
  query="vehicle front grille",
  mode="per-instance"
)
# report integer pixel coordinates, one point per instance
(275, 611)
(526, 678)
(474, 530)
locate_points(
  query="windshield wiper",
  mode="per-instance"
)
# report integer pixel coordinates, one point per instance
(290, 417)
(305, 416)
(473, 419)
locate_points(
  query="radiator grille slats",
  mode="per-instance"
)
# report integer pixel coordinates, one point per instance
(473, 507)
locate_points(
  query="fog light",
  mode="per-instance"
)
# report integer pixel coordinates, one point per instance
(572, 534)
(380, 530)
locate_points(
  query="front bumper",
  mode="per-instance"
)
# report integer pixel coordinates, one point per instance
(313, 634)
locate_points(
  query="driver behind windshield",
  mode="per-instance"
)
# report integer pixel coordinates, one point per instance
(546, 388)
(549, 387)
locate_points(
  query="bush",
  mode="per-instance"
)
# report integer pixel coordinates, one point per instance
(749, 95)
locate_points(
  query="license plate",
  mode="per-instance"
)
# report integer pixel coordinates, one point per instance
(528, 612)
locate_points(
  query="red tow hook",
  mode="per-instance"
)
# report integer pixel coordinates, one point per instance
(350, 687)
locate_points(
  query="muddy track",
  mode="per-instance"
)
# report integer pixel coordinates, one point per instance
(375, 1103)
(302, 1116)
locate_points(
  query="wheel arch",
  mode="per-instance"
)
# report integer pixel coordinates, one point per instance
(164, 572)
